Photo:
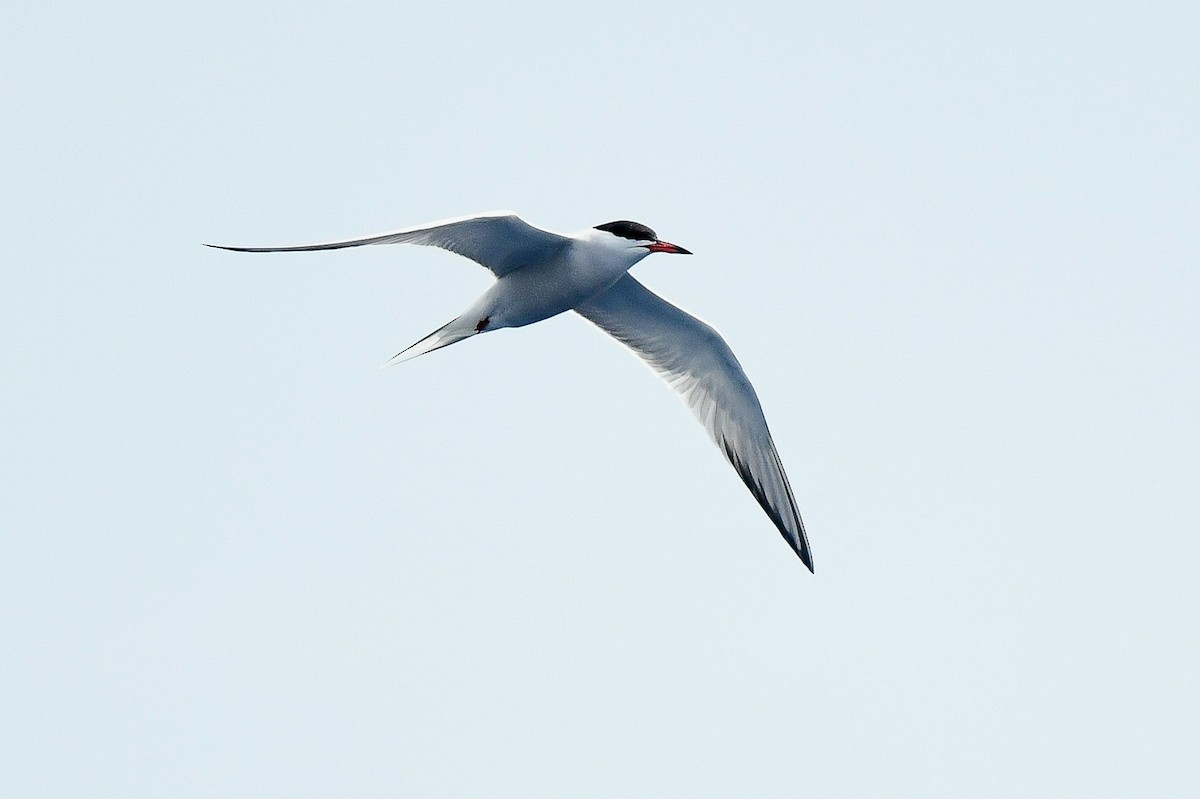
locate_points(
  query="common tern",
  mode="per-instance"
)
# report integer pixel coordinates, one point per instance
(540, 274)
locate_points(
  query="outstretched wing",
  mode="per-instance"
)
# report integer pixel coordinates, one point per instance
(696, 362)
(500, 241)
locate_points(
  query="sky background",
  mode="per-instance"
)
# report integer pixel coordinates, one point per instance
(954, 245)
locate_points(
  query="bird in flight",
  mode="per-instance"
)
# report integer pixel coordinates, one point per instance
(540, 274)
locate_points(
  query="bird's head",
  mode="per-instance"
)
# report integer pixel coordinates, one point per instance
(635, 237)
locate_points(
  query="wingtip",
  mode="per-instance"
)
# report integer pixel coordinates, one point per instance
(805, 554)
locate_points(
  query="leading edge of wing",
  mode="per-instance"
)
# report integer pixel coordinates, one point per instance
(390, 237)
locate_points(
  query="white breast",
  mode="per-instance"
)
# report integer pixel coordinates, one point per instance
(538, 291)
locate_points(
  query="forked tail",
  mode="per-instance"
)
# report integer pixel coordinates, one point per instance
(463, 327)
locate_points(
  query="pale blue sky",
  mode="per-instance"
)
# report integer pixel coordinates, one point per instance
(954, 245)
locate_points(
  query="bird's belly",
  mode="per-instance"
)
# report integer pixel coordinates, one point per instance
(529, 296)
